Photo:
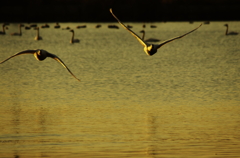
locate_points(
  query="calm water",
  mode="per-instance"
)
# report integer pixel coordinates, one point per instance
(182, 102)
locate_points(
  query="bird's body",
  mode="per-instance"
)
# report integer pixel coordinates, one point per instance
(20, 31)
(72, 39)
(150, 49)
(40, 55)
(229, 33)
(37, 37)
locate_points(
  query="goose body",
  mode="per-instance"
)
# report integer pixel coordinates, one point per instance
(37, 37)
(20, 31)
(40, 55)
(72, 39)
(151, 49)
(229, 33)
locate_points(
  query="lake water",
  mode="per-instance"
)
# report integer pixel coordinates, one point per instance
(182, 102)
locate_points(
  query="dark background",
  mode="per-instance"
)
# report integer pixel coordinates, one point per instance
(126, 10)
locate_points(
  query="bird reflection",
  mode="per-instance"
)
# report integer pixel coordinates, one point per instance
(150, 49)
(40, 55)
(229, 33)
(152, 130)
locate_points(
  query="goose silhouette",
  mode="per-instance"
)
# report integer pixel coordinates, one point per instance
(20, 31)
(230, 33)
(40, 55)
(72, 39)
(150, 49)
(150, 39)
(56, 26)
(3, 30)
(37, 37)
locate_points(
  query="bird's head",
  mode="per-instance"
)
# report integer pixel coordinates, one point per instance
(71, 30)
(226, 25)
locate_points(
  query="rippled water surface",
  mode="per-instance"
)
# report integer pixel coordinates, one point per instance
(182, 102)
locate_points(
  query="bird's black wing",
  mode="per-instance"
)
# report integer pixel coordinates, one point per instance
(20, 53)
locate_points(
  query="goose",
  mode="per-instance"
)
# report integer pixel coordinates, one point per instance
(37, 37)
(98, 26)
(45, 26)
(72, 39)
(230, 33)
(27, 27)
(81, 26)
(33, 25)
(113, 27)
(129, 26)
(20, 31)
(57, 26)
(150, 39)
(66, 28)
(3, 30)
(40, 55)
(150, 49)
(153, 26)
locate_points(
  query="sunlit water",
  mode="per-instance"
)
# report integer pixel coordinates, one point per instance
(181, 102)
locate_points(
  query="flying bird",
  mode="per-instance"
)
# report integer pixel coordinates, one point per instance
(150, 49)
(40, 55)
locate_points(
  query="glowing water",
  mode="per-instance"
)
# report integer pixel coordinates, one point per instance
(181, 102)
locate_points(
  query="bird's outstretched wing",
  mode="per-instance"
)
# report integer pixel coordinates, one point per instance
(134, 34)
(20, 53)
(172, 39)
(61, 62)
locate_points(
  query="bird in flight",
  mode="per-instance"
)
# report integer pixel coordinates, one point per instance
(150, 49)
(40, 55)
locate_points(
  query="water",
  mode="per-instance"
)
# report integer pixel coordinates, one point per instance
(181, 102)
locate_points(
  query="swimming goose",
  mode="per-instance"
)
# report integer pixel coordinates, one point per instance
(20, 31)
(230, 33)
(45, 26)
(3, 30)
(150, 39)
(150, 49)
(40, 55)
(81, 26)
(72, 39)
(37, 37)
(57, 26)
